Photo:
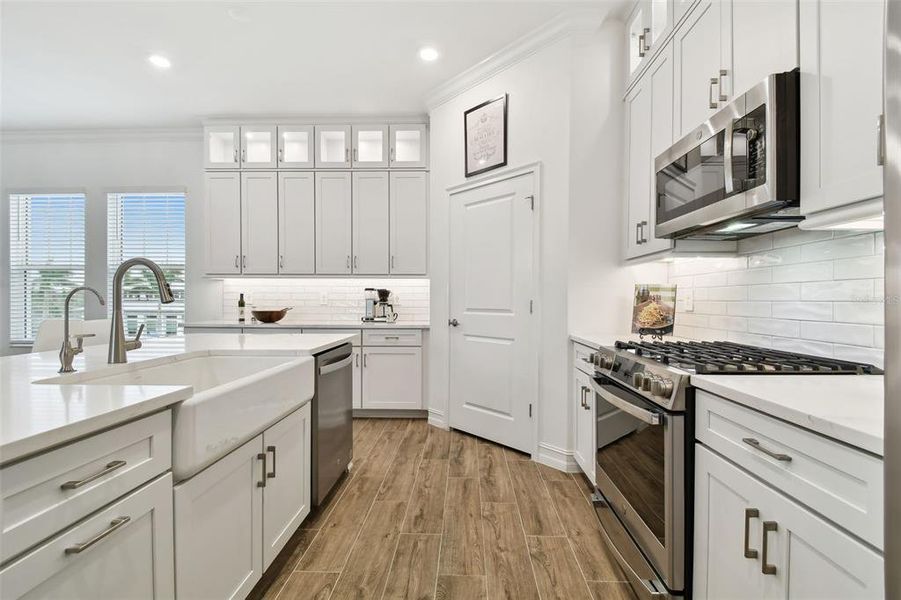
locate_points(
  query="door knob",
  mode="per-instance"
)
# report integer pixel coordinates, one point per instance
(453, 322)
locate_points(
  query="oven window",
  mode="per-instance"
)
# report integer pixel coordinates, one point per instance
(694, 180)
(631, 454)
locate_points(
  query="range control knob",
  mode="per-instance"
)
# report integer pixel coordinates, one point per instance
(605, 362)
(662, 387)
(637, 380)
(647, 382)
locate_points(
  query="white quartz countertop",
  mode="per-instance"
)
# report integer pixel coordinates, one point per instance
(35, 417)
(848, 408)
(287, 323)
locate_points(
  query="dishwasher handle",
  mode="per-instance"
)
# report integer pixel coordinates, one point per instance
(336, 366)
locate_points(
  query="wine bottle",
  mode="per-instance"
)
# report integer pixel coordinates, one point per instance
(241, 309)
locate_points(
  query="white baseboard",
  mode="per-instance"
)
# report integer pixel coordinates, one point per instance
(437, 418)
(557, 458)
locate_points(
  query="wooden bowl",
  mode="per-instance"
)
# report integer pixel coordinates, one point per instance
(270, 316)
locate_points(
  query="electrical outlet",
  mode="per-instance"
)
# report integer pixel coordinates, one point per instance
(396, 298)
(687, 299)
(323, 298)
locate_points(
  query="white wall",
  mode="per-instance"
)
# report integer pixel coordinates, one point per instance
(97, 163)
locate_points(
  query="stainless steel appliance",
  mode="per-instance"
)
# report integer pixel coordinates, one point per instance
(378, 307)
(892, 202)
(644, 464)
(332, 422)
(736, 175)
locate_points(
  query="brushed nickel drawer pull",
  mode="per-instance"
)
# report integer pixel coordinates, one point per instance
(109, 468)
(768, 526)
(271, 474)
(262, 456)
(750, 513)
(754, 443)
(115, 524)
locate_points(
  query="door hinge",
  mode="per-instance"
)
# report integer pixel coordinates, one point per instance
(531, 306)
(530, 410)
(531, 200)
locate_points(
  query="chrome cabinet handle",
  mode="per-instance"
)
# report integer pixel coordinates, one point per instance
(244, 261)
(235, 156)
(115, 524)
(723, 73)
(647, 35)
(392, 261)
(644, 237)
(348, 261)
(281, 261)
(281, 154)
(236, 261)
(587, 400)
(346, 154)
(392, 337)
(365, 361)
(355, 261)
(638, 234)
(750, 513)
(391, 154)
(109, 468)
(641, 49)
(355, 155)
(880, 140)
(711, 102)
(358, 360)
(768, 526)
(754, 443)
(244, 155)
(262, 456)
(271, 474)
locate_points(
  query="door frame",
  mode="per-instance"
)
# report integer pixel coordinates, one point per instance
(503, 174)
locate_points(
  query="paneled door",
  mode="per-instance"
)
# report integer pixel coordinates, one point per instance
(697, 48)
(259, 223)
(333, 223)
(223, 231)
(370, 222)
(493, 359)
(409, 223)
(297, 223)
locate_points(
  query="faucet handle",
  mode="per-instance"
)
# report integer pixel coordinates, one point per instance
(140, 331)
(135, 343)
(79, 340)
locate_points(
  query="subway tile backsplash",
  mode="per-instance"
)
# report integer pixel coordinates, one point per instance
(815, 292)
(325, 300)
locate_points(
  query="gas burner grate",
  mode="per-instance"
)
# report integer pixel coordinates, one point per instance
(718, 358)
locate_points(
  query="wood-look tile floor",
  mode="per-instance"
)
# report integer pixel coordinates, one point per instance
(427, 513)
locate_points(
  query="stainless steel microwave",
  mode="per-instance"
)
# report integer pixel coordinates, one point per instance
(738, 174)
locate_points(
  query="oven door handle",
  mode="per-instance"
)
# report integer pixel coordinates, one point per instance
(647, 416)
(728, 152)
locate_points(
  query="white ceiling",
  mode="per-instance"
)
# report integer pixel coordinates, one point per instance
(84, 64)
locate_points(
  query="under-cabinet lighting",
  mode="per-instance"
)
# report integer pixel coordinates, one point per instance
(734, 227)
(159, 61)
(428, 54)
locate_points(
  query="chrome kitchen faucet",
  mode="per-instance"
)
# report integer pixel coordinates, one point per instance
(67, 352)
(118, 345)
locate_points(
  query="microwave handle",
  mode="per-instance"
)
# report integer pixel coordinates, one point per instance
(727, 158)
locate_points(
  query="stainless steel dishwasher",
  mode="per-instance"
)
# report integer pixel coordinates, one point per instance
(332, 443)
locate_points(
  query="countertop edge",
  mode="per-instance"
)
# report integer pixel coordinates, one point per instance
(293, 325)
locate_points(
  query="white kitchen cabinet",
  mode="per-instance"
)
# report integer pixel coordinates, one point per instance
(333, 146)
(258, 147)
(221, 147)
(647, 27)
(259, 223)
(409, 223)
(659, 78)
(698, 58)
(787, 552)
(585, 430)
(841, 98)
(358, 377)
(297, 223)
(636, 37)
(123, 551)
(639, 166)
(370, 146)
(370, 222)
(286, 495)
(295, 146)
(759, 38)
(334, 226)
(392, 378)
(223, 223)
(409, 145)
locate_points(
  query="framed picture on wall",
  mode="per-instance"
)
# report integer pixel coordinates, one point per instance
(485, 141)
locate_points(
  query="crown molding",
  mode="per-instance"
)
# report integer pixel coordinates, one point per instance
(565, 25)
(167, 134)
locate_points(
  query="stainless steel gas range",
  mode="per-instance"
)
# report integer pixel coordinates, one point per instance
(644, 463)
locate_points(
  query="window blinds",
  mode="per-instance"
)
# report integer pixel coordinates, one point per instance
(152, 226)
(46, 245)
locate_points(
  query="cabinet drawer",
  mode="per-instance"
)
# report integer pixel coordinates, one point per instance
(843, 484)
(126, 552)
(399, 337)
(44, 494)
(358, 337)
(582, 358)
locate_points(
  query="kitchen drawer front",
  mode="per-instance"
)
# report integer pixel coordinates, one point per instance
(398, 337)
(34, 504)
(126, 551)
(843, 484)
(582, 358)
(358, 336)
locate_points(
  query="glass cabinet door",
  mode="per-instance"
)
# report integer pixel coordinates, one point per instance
(333, 146)
(370, 146)
(639, 42)
(258, 146)
(295, 146)
(409, 146)
(221, 147)
(660, 20)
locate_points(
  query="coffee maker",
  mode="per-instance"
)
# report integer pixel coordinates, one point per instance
(378, 309)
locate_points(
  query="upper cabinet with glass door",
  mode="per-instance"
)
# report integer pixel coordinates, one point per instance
(258, 143)
(649, 23)
(295, 146)
(333, 146)
(370, 146)
(221, 147)
(409, 146)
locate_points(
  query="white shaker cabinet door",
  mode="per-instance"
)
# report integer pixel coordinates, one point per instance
(585, 445)
(258, 147)
(370, 222)
(697, 45)
(222, 147)
(296, 223)
(333, 146)
(218, 517)
(660, 79)
(223, 223)
(638, 167)
(764, 40)
(370, 146)
(409, 223)
(259, 223)
(123, 551)
(286, 495)
(409, 146)
(295, 146)
(841, 100)
(358, 377)
(392, 378)
(333, 223)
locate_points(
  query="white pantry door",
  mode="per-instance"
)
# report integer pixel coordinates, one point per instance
(493, 354)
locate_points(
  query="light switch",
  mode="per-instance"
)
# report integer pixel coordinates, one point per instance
(323, 298)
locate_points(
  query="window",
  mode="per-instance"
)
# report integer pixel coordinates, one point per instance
(152, 226)
(46, 259)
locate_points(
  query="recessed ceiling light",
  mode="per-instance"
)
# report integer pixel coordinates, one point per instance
(428, 54)
(159, 61)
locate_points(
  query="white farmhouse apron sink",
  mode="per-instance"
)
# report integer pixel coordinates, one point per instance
(235, 398)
